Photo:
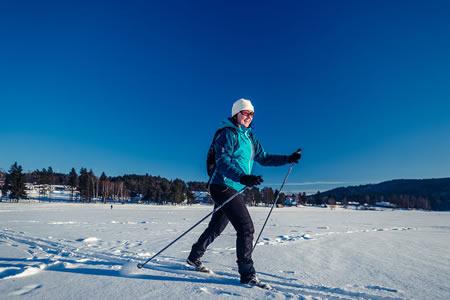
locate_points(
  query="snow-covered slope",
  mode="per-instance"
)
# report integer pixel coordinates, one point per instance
(74, 251)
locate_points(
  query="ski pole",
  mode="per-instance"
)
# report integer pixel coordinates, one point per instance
(141, 265)
(273, 205)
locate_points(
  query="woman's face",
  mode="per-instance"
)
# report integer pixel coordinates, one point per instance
(245, 118)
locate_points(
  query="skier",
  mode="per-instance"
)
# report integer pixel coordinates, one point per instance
(236, 147)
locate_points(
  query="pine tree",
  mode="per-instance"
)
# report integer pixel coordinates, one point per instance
(4, 189)
(83, 182)
(248, 196)
(73, 180)
(162, 189)
(190, 196)
(15, 182)
(103, 186)
(256, 196)
(268, 195)
(317, 198)
(93, 187)
(178, 191)
(50, 176)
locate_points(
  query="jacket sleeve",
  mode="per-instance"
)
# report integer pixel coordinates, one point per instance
(266, 159)
(224, 147)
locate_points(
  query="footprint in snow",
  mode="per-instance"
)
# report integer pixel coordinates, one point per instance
(89, 240)
(10, 271)
(216, 291)
(307, 236)
(204, 290)
(323, 227)
(381, 288)
(13, 272)
(25, 290)
(62, 223)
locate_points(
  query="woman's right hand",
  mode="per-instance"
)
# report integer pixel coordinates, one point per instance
(251, 180)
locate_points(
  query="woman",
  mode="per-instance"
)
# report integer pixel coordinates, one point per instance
(235, 150)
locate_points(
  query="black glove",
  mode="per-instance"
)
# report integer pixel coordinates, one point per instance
(250, 180)
(295, 157)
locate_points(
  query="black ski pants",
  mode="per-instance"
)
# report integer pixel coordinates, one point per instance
(237, 213)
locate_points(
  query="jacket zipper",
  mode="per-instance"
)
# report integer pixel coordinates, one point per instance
(251, 153)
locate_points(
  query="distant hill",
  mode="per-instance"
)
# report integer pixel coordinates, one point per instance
(431, 194)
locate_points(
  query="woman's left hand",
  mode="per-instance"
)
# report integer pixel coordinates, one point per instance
(295, 157)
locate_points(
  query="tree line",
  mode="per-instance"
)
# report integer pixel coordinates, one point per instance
(87, 187)
(426, 194)
(406, 201)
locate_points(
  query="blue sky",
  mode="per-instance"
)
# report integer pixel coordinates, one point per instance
(140, 86)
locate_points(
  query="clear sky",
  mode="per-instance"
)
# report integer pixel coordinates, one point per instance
(140, 86)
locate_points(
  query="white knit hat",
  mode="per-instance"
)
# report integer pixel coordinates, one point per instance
(241, 104)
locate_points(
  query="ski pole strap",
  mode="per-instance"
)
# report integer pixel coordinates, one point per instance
(141, 265)
(273, 205)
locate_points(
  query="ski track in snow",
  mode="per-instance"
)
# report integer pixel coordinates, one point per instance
(80, 257)
(289, 238)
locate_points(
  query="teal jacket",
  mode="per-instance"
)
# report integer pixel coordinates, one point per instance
(236, 149)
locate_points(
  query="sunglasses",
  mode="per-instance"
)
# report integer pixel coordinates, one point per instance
(247, 113)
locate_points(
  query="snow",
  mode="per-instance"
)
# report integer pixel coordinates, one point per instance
(89, 251)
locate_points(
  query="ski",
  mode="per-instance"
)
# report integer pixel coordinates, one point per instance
(201, 268)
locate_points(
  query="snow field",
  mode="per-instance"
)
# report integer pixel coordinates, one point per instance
(74, 251)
